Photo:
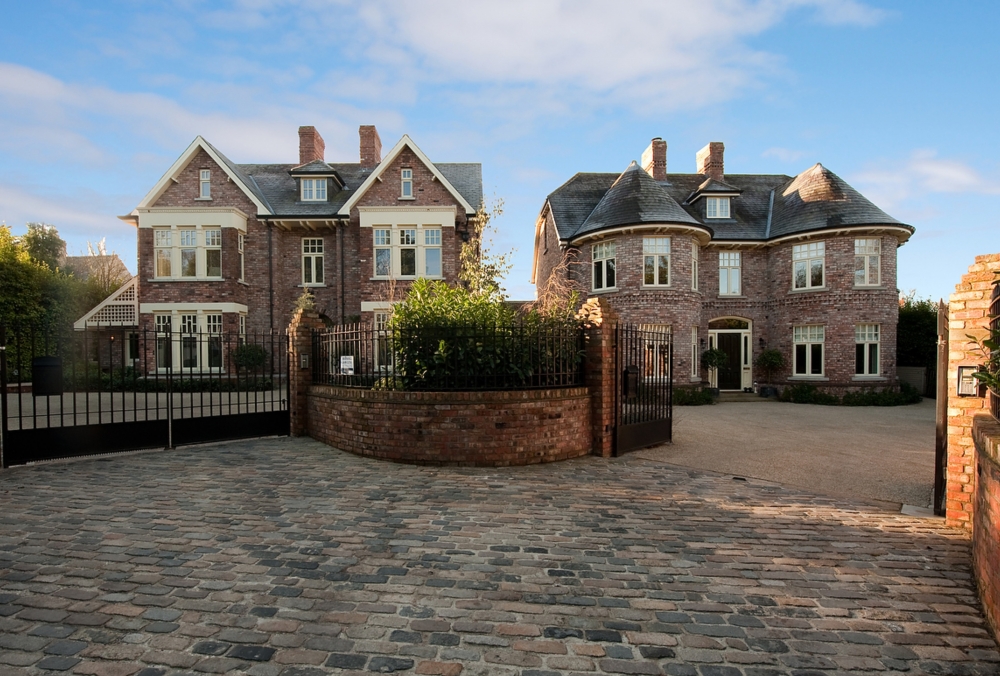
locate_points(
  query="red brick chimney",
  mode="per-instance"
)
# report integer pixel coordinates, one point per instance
(709, 160)
(371, 146)
(311, 145)
(654, 159)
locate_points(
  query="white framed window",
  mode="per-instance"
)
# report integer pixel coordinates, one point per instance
(132, 338)
(189, 342)
(716, 207)
(866, 349)
(189, 252)
(432, 252)
(406, 184)
(695, 370)
(656, 261)
(313, 189)
(695, 253)
(312, 261)
(603, 256)
(164, 346)
(205, 184)
(407, 251)
(809, 265)
(243, 327)
(730, 273)
(163, 252)
(213, 252)
(867, 262)
(656, 361)
(807, 347)
(213, 342)
(240, 243)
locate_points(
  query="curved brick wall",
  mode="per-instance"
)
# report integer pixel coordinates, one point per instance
(453, 428)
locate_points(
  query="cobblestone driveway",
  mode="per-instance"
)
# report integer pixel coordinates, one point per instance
(286, 557)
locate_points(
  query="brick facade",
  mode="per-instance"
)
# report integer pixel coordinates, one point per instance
(766, 300)
(273, 256)
(968, 311)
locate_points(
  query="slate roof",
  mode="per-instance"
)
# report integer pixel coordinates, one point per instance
(277, 189)
(816, 199)
(635, 198)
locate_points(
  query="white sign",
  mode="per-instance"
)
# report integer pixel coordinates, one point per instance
(347, 364)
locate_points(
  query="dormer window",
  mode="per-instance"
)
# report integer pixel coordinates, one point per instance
(406, 179)
(205, 185)
(717, 207)
(313, 189)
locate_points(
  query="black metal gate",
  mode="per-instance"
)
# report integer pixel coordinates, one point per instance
(72, 393)
(644, 366)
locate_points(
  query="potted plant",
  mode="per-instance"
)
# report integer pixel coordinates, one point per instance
(769, 361)
(714, 359)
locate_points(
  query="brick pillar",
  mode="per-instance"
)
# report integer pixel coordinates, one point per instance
(968, 311)
(300, 333)
(599, 321)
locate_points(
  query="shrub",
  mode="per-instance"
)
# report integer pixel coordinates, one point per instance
(804, 393)
(248, 357)
(446, 337)
(691, 396)
(769, 361)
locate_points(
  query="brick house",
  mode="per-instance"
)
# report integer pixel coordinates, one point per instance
(226, 247)
(742, 262)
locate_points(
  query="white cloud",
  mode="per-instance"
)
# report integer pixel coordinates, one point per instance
(783, 154)
(923, 172)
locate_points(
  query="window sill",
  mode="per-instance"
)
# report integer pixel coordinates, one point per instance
(870, 379)
(309, 286)
(312, 201)
(186, 279)
(723, 296)
(407, 199)
(242, 282)
(607, 290)
(810, 289)
(656, 287)
(868, 286)
(202, 199)
(808, 378)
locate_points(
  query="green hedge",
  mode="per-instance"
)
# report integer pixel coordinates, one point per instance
(805, 393)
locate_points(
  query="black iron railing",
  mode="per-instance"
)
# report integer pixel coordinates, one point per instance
(57, 377)
(529, 355)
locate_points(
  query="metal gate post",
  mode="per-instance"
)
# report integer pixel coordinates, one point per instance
(941, 413)
(3, 394)
(170, 401)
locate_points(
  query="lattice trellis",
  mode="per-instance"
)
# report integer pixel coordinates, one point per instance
(119, 309)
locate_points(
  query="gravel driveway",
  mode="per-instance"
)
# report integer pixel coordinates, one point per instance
(874, 453)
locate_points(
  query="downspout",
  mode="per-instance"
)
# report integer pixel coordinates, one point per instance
(270, 273)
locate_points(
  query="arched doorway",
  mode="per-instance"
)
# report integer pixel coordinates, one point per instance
(734, 336)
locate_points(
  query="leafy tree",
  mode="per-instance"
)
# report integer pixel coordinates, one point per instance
(20, 279)
(916, 332)
(481, 269)
(44, 245)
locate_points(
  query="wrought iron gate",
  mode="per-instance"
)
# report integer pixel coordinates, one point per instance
(644, 366)
(112, 389)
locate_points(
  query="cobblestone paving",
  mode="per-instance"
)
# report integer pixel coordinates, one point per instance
(286, 557)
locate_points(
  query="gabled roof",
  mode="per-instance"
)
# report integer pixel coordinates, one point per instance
(713, 186)
(635, 198)
(818, 199)
(405, 142)
(245, 183)
(314, 167)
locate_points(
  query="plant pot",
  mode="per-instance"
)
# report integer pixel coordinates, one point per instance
(714, 391)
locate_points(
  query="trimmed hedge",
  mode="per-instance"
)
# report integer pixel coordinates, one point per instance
(805, 393)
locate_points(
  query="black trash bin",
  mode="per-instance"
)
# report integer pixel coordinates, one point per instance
(46, 376)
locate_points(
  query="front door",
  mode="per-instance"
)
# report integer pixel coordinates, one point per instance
(731, 377)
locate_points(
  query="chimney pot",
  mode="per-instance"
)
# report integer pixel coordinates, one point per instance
(654, 159)
(710, 162)
(311, 145)
(371, 146)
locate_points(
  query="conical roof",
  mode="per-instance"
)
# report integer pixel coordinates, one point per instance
(635, 198)
(817, 199)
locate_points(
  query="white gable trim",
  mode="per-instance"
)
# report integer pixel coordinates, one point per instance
(170, 177)
(405, 142)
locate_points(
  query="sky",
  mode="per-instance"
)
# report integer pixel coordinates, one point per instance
(97, 100)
